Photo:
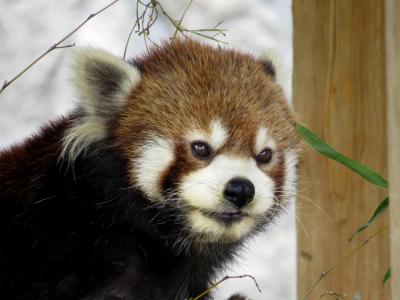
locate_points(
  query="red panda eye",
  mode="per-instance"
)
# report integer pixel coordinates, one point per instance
(201, 150)
(265, 156)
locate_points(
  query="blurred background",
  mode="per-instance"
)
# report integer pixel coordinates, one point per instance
(260, 27)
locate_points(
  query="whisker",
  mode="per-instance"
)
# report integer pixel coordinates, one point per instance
(305, 232)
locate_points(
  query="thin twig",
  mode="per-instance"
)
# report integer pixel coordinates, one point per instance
(181, 29)
(56, 45)
(137, 14)
(207, 291)
(65, 46)
(208, 37)
(181, 19)
(342, 260)
(129, 37)
(147, 13)
(336, 295)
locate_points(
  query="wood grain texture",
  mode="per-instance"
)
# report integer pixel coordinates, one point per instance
(340, 93)
(393, 93)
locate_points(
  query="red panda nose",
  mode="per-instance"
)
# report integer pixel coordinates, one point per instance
(239, 191)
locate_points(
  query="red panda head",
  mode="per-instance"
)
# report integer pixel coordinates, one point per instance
(206, 128)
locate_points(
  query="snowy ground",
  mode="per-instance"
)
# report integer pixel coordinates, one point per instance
(262, 27)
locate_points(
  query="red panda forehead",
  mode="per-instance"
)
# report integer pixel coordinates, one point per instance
(178, 115)
(191, 64)
(245, 139)
(186, 86)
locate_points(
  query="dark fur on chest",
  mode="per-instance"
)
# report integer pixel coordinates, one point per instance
(81, 232)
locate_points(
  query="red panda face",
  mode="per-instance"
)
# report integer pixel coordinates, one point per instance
(224, 186)
(210, 130)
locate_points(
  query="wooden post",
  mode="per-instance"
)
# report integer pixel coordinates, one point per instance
(393, 93)
(340, 93)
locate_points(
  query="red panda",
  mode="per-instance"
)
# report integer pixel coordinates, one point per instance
(167, 165)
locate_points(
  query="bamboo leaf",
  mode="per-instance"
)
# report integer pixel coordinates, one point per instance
(323, 148)
(378, 211)
(387, 276)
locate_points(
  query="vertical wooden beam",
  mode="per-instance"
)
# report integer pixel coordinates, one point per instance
(339, 92)
(393, 93)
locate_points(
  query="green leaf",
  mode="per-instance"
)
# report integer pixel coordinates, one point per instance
(322, 147)
(378, 211)
(387, 276)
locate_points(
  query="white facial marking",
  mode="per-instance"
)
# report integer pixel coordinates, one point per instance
(204, 188)
(263, 140)
(154, 158)
(219, 134)
(214, 231)
(290, 174)
(216, 137)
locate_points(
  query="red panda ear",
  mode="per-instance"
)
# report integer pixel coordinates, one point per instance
(279, 70)
(103, 82)
(268, 67)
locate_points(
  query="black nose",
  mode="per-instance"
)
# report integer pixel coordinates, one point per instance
(239, 191)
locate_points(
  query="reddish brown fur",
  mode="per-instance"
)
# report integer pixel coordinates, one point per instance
(200, 83)
(81, 231)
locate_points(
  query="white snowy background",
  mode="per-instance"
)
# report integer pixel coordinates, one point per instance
(27, 28)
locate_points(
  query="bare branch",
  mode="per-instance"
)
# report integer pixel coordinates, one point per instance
(147, 14)
(56, 45)
(65, 46)
(207, 291)
(333, 294)
(144, 21)
(181, 19)
(342, 260)
(136, 24)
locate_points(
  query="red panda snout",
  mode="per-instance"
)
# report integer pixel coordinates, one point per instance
(224, 195)
(239, 191)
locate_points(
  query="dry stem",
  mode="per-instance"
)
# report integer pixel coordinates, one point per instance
(148, 12)
(222, 280)
(333, 294)
(342, 260)
(151, 11)
(56, 45)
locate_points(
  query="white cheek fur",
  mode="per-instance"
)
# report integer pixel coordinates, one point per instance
(289, 188)
(154, 158)
(212, 231)
(204, 188)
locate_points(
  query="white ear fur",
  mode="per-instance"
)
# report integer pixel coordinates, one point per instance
(283, 71)
(103, 82)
